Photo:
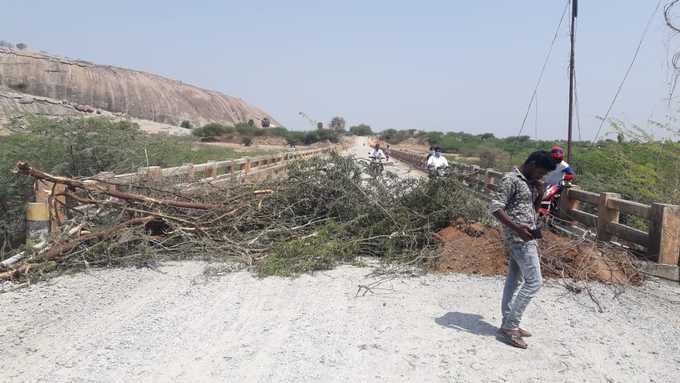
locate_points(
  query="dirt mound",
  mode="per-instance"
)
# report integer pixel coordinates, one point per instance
(478, 249)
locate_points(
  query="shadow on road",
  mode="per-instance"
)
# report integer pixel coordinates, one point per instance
(472, 323)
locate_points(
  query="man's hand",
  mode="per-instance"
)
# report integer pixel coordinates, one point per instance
(524, 232)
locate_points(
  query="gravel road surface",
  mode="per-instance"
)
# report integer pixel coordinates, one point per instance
(175, 324)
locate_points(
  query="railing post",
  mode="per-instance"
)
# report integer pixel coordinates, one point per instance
(606, 215)
(155, 173)
(52, 195)
(211, 171)
(190, 171)
(567, 204)
(664, 233)
(106, 178)
(37, 223)
(152, 173)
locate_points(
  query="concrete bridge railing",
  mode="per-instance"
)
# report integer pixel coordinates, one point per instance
(662, 239)
(45, 214)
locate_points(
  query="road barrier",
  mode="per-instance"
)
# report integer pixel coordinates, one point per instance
(661, 240)
(49, 197)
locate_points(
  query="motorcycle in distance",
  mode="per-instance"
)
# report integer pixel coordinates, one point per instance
(551, 198)
(375, 166)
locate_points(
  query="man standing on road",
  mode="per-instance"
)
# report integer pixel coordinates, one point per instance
(514, 206)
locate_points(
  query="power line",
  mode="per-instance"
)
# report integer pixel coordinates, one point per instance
(630, 67)
(545, 64)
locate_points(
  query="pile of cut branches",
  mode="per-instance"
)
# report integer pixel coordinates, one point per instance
(323, 213)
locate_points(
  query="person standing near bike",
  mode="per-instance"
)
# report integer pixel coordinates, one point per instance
(514, 205)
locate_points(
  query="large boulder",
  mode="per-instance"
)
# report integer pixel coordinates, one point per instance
(134, 93)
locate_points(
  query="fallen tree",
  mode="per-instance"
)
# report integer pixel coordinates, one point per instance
(325, 212)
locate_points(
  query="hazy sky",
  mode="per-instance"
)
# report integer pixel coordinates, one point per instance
(435, 65)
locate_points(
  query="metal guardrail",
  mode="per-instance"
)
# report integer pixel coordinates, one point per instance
(662, 240)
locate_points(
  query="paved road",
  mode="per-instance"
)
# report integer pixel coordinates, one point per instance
(360, 150)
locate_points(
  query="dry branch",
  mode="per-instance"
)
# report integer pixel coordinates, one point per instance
(99, 187)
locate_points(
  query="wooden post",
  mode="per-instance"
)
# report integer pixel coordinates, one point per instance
(664, 233)
(246, 169)
(606, 215)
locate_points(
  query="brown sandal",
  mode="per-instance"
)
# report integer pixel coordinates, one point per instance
(524, 333)
(513, 338)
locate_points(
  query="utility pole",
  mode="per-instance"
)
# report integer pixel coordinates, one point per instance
(574, 15)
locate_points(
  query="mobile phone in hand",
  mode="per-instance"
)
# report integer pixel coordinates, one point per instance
(536, 233)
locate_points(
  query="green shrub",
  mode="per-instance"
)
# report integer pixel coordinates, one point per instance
(213, 130)
(361, 130)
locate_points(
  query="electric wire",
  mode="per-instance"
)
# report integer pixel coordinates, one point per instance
(630, 67)
(545, 64)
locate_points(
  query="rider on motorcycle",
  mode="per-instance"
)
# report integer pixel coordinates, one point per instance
(555, 182)
(437, 162)
(562, 172)
(377, 156)
(376, 153)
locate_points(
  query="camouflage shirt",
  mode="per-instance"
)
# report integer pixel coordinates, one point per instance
(514, 195)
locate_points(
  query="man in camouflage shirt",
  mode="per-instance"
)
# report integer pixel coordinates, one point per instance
(514, 205)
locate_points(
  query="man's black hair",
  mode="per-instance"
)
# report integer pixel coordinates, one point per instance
(542, 159)
(437, 149)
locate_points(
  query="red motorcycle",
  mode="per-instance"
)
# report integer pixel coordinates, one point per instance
(551, 198)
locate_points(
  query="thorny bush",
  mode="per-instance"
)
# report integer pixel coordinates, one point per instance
(325, 212)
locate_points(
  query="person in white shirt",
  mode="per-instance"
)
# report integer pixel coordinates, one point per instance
(376, 153)
(437, 160)
(562, 172)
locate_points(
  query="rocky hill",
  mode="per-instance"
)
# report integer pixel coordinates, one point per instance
(89, 87)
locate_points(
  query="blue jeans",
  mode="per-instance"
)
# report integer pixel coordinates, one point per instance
(523, 282)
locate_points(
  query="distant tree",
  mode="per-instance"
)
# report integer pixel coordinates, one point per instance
(486, 136)
(319, 125)
(361, 130)
(22, 46)
(265, 122)
(338, 124)
(621, 138)
(494, 158)
(6, 44)
(186, 124)
(251, 123)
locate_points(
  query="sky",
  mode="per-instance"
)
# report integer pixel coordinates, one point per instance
(446, 65)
